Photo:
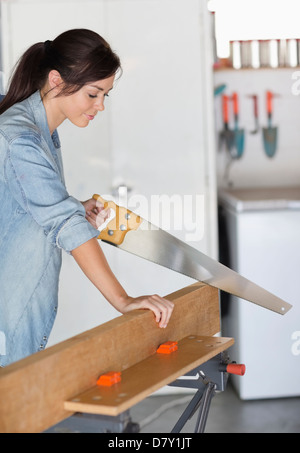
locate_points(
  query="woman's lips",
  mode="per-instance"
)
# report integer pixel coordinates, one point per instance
(90, 117)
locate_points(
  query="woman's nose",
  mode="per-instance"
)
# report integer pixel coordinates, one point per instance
(100, 105)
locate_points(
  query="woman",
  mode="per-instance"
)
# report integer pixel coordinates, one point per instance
(67, 78)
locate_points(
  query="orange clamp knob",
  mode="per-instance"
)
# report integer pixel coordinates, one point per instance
(235, 368)
(168, 347)
(109, 379)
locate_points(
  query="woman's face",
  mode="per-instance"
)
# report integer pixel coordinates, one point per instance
(81, 107)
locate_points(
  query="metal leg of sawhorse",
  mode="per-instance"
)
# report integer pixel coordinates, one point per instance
(207, 378)
(201, 402)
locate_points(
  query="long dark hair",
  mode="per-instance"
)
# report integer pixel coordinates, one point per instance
(79, 55)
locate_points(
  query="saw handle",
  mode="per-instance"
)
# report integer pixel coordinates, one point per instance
(124, 221)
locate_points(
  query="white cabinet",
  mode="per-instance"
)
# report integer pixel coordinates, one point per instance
(264, 244)
(156, 135)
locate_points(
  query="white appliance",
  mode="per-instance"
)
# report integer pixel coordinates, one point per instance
(261, 231)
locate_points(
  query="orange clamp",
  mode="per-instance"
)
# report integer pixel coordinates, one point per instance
(168, 347)
(109, 379)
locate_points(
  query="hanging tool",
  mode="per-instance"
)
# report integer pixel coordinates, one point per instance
(239, 134)
(133, 234)
(255, 106)
(226, 134)
(219, 89)
(270, 132)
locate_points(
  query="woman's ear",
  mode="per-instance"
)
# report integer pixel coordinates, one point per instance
(55, 80)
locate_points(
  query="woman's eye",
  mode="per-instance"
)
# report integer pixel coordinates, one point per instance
(93, 96)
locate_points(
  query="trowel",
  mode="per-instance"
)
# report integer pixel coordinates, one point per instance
(226, 134)
(270, 132)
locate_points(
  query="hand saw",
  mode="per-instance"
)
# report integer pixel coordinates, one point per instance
(132, 233)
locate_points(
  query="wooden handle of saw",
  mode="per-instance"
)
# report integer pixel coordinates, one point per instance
(123, 222)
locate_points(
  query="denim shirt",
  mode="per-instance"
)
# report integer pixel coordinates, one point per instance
(38, 220)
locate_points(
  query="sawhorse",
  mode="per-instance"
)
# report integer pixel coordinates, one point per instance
(207, 379)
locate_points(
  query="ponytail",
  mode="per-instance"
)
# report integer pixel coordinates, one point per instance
(26, 78)
(79, 55)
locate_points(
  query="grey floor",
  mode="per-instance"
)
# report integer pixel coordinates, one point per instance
(228, 414)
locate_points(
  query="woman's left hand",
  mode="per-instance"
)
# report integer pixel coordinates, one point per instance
(95, 212)
(162, 308)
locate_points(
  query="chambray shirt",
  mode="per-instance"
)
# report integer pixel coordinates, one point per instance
(38, 218)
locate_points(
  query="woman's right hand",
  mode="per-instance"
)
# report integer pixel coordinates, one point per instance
(95, 212)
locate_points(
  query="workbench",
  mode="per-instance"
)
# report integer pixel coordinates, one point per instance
(52, 385)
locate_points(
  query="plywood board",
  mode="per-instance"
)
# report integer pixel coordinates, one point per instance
(149, 375)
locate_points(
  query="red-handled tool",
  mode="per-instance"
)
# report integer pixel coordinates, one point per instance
(225, 107)
(255, 106)
(226, 134)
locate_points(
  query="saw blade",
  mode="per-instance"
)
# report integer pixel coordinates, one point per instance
(135, 235)
(160, 247)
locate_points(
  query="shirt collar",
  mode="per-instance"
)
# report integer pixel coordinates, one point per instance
(40, 117)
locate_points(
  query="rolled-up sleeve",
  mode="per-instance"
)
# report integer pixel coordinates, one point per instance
(34, 179)
(74, 232)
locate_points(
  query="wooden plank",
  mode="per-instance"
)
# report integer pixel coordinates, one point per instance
(149, 375)
(33, 390)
